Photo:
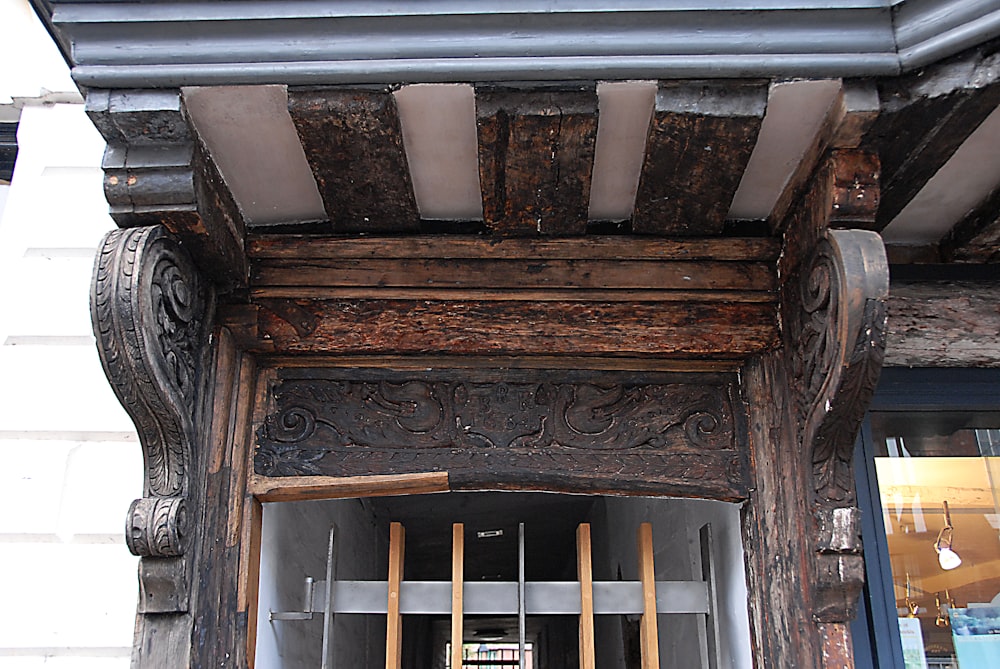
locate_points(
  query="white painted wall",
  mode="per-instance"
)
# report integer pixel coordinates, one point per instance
(677, 556)
(72, 462)
(294, 540)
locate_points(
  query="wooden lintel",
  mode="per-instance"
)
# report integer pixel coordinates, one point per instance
(536, 154)
(354, 144)
(302, 488)
(944, 324)
(473, 328)
(700, 140)
(608, 274)
(295, 248)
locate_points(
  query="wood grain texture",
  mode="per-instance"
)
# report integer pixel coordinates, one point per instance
(976, 238)
(457, 592)
(536, 154)
(521, 274)
(699, 144)
(585, 575)
(648, 634)
(421, 327)
(925, 117)
(354, 144)
(304, 488)
(394, 621)
(944, 324)
(604, 247)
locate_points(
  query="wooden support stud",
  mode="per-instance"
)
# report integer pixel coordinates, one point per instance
(585, 574)
(457, 578)
(394, 622)
(648, 635)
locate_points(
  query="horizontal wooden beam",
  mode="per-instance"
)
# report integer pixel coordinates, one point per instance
(302, 488)
(426, 327)
(520, 274)
(294, 247)
(944, 324)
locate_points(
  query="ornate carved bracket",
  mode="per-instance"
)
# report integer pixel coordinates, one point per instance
(151, 312)
(837, 314)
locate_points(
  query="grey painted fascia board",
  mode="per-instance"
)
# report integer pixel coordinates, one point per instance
(170, 43)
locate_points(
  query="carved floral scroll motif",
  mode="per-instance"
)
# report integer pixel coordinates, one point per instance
(151, 311)
(345, 427)
(838, 318)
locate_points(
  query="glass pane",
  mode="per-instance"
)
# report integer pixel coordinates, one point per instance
(938, 477)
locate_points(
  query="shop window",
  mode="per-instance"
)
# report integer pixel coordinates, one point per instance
(931, 485)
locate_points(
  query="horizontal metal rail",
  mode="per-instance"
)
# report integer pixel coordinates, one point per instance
(500, 598)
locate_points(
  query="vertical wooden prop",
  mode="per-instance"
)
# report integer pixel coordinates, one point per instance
(585, 574)
(457, 578)
(394, 622)
(648, 639)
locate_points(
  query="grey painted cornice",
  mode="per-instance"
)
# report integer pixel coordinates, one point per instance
(169, 43)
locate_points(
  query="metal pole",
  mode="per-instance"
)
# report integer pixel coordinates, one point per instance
(520, 596)
(327, 662)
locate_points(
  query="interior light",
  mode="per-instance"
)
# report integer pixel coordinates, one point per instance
(947, 557)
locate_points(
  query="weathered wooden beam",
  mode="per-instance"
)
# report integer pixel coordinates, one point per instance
(296, 248)
(354, 143)
(944, 324)
(700, 140)
(521, 274)
(536, 155)
(976, 238)
(425, 327)
(925, 117)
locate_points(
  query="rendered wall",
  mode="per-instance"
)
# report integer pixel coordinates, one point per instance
(71, 460)
(294, 542)
(677, 555)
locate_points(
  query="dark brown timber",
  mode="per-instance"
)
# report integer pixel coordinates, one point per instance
(700, 141)
(976, 238)
(663, 434)
(354, 144)
(925, 117)
(536, 153)
(409, 327)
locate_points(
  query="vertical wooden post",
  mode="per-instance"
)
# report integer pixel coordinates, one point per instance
(585, 574)
(394, 622)
(457, 578)
(648, 639)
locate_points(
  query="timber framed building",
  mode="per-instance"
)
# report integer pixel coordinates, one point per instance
(581, 264)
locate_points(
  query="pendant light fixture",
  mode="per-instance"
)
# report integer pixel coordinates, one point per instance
(947, 557)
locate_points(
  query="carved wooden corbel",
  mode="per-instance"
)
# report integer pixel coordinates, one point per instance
(151, 312)
(840, 335)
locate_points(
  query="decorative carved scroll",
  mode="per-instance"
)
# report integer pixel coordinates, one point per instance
(150, 310)
(840, 328)
(653, 436)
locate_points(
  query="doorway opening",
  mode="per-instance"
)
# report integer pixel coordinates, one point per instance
(295, 546)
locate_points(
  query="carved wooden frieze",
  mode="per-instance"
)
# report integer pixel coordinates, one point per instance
(667, 437)
(150, 311)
